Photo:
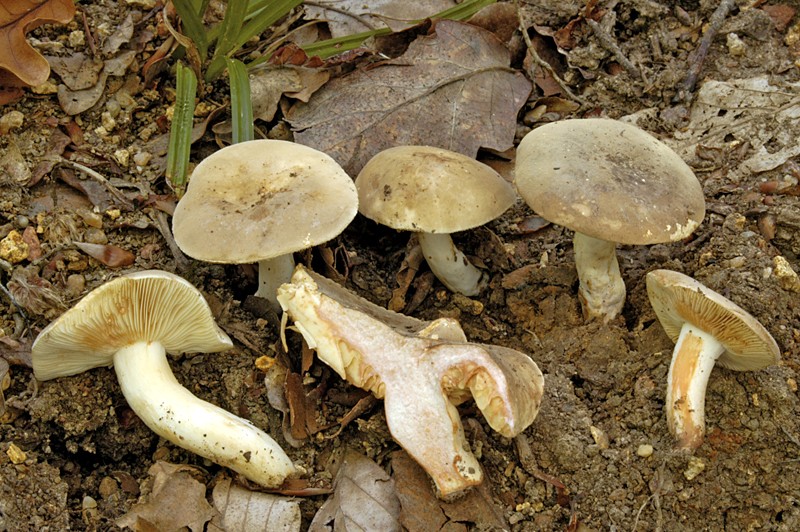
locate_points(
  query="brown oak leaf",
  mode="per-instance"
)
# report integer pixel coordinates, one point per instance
(19, 61)
(453, 89)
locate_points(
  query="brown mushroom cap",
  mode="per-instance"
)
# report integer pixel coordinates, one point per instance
(150, 306)
(260, 199)
(608, 180)
(677, 299)
(433, 190)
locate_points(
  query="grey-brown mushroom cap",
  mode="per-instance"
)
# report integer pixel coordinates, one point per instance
(433, 190)
(145, 306)
(608, 180)
(260, 199)
(677, 298)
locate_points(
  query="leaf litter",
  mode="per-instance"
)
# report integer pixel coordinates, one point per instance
(452, 89)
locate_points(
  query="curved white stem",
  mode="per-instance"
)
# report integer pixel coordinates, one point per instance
(450, 265)
(693, 358)
(271, 274)
(602, 291)
(173, 413)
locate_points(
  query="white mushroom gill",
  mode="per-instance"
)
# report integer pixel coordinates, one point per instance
(174, 413)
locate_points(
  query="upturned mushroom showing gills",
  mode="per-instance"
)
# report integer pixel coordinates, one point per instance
(422, 370)
(609, 182)
(131, 323)
(707, 329)
(434, 192)
(259, 202)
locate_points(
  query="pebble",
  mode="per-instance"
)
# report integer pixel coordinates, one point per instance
(695, 467)
(15, 454)
(645, 450)
(787, 278)
(11, 120)
(13, 248)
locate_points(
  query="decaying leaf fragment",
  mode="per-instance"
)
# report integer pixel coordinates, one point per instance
(364, 499)
(422, 370)
(453, 89)
(242, 510)
(17, 56)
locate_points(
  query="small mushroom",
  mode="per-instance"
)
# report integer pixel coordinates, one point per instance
(434, 192)
(422, 370)
(261, 201)
(610, 182)
(130, 323)
(707, 329)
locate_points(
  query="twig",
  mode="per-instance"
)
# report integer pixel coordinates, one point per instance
(541, 63)
(607, 41)
(181, 262)
(698, 58)
(102, 180)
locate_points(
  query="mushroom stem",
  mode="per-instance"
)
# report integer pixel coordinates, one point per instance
(602, 291)
(693, 358)
(450, 265)
(173, 413)
(271, 274)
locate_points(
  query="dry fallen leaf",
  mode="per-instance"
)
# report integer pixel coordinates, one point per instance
(17, 56)
(177, 500)
(363, 499)
(354, 16)
(452, 89)
(110, 255)
(422, 511)
(243, 510)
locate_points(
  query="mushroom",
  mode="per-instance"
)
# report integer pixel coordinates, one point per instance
(260, 201)
(707, 329)
(422, 370)
(434, 192)
(130, 323)
(610, 182)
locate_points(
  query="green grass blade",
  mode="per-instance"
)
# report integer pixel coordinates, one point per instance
(193, 25)
(266, 17)
(327, 48)
(241, 104)
(230, 29)
(180, 131)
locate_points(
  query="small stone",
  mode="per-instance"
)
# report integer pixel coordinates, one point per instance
(123, 157)
(142, 158)
(15, 454)
(113, 213)
(13, 248)
(787, 278)
(645, 450)
(599, 437)
(792, 384)
(48, 87)
(77, 39)
(108, 487)
(108, 121)
(694, 468)
(11, 120)
(736, 46)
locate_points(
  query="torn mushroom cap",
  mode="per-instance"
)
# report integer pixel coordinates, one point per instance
(434, 192)
(608, 180)
(611, 183)
(707, 329)
(131, 322)
(421, 370)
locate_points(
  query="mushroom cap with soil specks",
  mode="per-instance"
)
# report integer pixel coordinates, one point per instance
(145, 306)
(608, 180)
(261, 199)
(678, 299)
(433, 190)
